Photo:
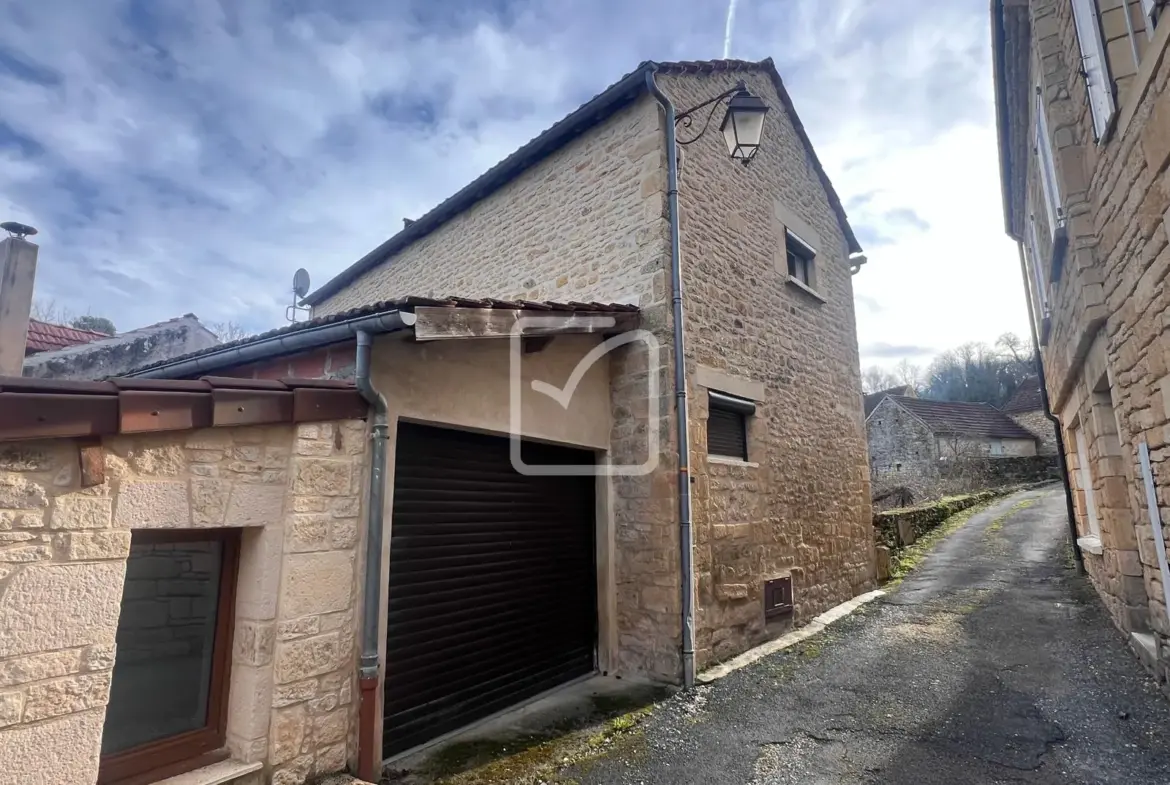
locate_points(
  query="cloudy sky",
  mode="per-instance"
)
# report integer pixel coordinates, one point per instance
(188, 155)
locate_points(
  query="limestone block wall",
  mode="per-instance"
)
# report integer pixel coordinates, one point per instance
(1108, 357)
(802, 507)
(295, 494)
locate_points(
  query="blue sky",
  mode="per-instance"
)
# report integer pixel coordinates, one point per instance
(188, 155)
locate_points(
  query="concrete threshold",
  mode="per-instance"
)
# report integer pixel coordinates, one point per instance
(566, 701)
(815, 626)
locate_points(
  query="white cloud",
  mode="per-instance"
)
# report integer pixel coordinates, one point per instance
(188, 155)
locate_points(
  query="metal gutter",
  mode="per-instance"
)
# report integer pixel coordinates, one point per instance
(686, 533)
(369, 751)
(287, 343)
(1070, 506)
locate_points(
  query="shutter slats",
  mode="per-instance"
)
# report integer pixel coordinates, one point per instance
(726, 433)
(493, 593)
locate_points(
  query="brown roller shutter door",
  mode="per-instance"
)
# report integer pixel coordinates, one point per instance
(492, 595)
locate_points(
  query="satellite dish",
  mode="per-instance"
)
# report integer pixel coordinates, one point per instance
(301, 282)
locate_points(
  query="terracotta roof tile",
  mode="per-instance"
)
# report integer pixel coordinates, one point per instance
(1026, 398)
(44, 336)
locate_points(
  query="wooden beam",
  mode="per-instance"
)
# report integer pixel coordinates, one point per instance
(436, 324)
(36, 416)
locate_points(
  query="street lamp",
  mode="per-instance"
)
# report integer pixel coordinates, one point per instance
(742, 126)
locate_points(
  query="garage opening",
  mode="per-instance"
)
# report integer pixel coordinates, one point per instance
(493, 588)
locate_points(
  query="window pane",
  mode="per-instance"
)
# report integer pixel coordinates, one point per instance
(726, 434)
(166, 643)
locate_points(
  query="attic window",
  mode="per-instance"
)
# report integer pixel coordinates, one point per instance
(801, 257)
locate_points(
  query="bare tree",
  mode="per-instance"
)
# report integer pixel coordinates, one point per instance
(908, 375)
(228, 331)
(1011, 343)
(876, 378)
(51, 311)
(97, 324)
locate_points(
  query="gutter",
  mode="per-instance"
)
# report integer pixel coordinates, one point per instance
(686, 534)
(291, 342)
(1070, 506)
(369, 753)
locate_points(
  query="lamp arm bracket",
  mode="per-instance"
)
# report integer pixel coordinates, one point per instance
(685, 119)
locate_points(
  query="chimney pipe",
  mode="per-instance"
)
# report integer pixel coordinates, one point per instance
(18, 271)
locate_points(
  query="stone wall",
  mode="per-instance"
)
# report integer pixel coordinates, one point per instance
(903, 452)
(800, 505)
(295, 494)
(1108, 356)
(1039, 424)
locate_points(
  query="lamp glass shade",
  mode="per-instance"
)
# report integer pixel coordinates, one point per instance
(743, 125)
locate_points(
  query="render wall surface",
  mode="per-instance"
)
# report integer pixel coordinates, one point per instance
(295, 492)
(1108, 356)
(800, 505)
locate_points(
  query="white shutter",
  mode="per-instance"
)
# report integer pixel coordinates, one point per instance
(1037, 271)
(1052, 199)
(1150, 12)
(1093, 63)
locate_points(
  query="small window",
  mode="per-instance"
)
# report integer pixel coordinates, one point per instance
(727, 420)
(996, 447)
(800, 259)
(1152, 11)
(1048, 183)
(168, 700)
(778, 598)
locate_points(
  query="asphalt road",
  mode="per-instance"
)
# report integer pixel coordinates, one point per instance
(993, 663)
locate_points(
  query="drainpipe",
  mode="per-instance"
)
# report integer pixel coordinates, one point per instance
(369, 753)
(686, 539)
(1068, 494)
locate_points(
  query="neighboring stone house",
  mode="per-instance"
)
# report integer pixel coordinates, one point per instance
(100, 356)
(532, 516)
(871, 400)
(1026, 408)
(911, 439)
(1084, 119)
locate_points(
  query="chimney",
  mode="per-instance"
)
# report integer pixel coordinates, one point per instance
(407, 223)
(18, 270)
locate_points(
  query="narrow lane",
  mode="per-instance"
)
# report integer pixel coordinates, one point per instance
(992, 663)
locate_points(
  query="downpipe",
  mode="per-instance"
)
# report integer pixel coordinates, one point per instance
(686, 533)
(369, 752)
(1070, 506)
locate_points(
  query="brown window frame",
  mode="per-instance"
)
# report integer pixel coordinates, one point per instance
(190, 750)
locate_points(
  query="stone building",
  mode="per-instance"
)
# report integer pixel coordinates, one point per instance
(176, 597)
(1026, 408)
(1084, 124)
(913, 441)
(66, 353)
(537, 473)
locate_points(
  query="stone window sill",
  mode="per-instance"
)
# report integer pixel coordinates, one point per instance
(1090, 544)
(729, 461)
(799, 284)
(216, 774)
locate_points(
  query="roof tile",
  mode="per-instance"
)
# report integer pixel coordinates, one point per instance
(962, 418)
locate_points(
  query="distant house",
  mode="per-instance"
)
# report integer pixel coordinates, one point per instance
(47, 337)
(54, 351)
(910, 438)
(871, 400)
(1026, 408)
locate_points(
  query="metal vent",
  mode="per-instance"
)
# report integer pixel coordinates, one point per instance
(777, 598)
